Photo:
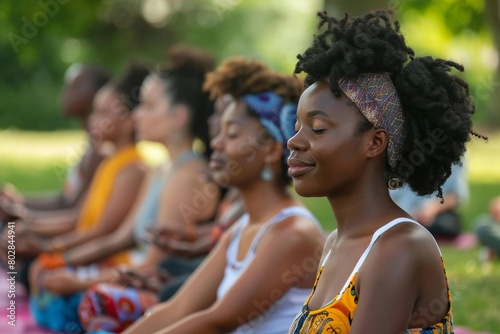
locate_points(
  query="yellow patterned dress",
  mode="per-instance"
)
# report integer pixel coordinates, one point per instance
(336, 316)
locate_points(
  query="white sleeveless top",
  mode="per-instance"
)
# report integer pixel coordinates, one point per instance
(277, 319)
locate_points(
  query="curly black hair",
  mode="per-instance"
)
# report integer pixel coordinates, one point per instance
(436, 105)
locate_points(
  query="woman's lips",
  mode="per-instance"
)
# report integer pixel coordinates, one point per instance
(298, 167)
(216, 164)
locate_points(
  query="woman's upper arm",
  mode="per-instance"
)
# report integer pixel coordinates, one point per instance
(123, 196)
(187, 199)
(388, 287)
(200, 290)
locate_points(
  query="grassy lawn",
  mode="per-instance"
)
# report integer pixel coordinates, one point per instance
(36, 162)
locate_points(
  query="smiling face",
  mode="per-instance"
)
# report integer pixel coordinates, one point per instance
(240, 148)
(327, 152)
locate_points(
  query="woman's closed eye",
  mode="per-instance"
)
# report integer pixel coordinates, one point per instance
(317, 131)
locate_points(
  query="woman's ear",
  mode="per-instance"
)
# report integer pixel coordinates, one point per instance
(275, 152)
(181, 116)
(376, 142)
(127, 124)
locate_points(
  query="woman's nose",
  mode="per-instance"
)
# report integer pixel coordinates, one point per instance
(297, 142)
(215, 143)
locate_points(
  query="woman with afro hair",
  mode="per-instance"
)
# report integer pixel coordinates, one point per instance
(375, 117)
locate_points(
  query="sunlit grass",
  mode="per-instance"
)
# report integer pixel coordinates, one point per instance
(483, 159)
(39, 161)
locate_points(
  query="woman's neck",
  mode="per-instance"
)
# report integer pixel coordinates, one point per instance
(123, 142)
(179, 147)
(263, 200)
(363, 210)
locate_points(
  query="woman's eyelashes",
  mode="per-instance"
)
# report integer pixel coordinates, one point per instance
(232, 132)
(317, 131)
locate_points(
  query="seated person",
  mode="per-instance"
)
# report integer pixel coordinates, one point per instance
(81, 85)
(186, 255)
(260, 272)
(487, 227)
(111, 194)
(441, 218)
(177, 196)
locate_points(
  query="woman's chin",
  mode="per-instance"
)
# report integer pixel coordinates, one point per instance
(305, 191)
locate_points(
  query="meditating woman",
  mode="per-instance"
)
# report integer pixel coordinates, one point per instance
(112, 192)
(373, 117)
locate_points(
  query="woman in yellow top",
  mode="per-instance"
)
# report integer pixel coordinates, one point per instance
(111, 194)
(373, 117)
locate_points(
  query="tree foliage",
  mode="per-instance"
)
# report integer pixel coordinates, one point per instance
(42, 38)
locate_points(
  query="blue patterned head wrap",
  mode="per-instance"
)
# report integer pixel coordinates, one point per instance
(275, 115)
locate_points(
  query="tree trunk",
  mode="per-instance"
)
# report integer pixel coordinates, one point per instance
(492, 12)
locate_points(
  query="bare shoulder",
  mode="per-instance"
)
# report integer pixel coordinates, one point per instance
(193, 166)
(136, 169)
(407, 240)
(406, 249)
(297, 230)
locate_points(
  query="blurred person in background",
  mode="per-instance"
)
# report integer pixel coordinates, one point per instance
(487, 227)
(173, 111)
(49, 215)
(81, 83)
(111, 194)
(442, 219)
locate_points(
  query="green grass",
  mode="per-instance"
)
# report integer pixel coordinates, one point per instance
(38, 161)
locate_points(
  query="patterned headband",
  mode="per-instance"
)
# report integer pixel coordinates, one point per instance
(277, 117)
(376, 97)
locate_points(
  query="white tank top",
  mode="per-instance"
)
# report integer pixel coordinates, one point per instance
(277, 319)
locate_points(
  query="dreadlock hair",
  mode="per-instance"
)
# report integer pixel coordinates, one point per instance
(240, 76)
(183, 78)
(436, 105)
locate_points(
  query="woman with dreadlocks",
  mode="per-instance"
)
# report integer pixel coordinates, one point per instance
(374, 117)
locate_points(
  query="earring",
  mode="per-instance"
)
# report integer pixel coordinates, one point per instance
(394, 183)
(267, 173)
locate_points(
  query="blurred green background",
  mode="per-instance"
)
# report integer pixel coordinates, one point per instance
(41, 39)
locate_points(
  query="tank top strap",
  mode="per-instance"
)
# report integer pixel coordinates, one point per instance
(282, 215)
(375, 237)
(243, 221)
(234, 245)
(185, 157)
